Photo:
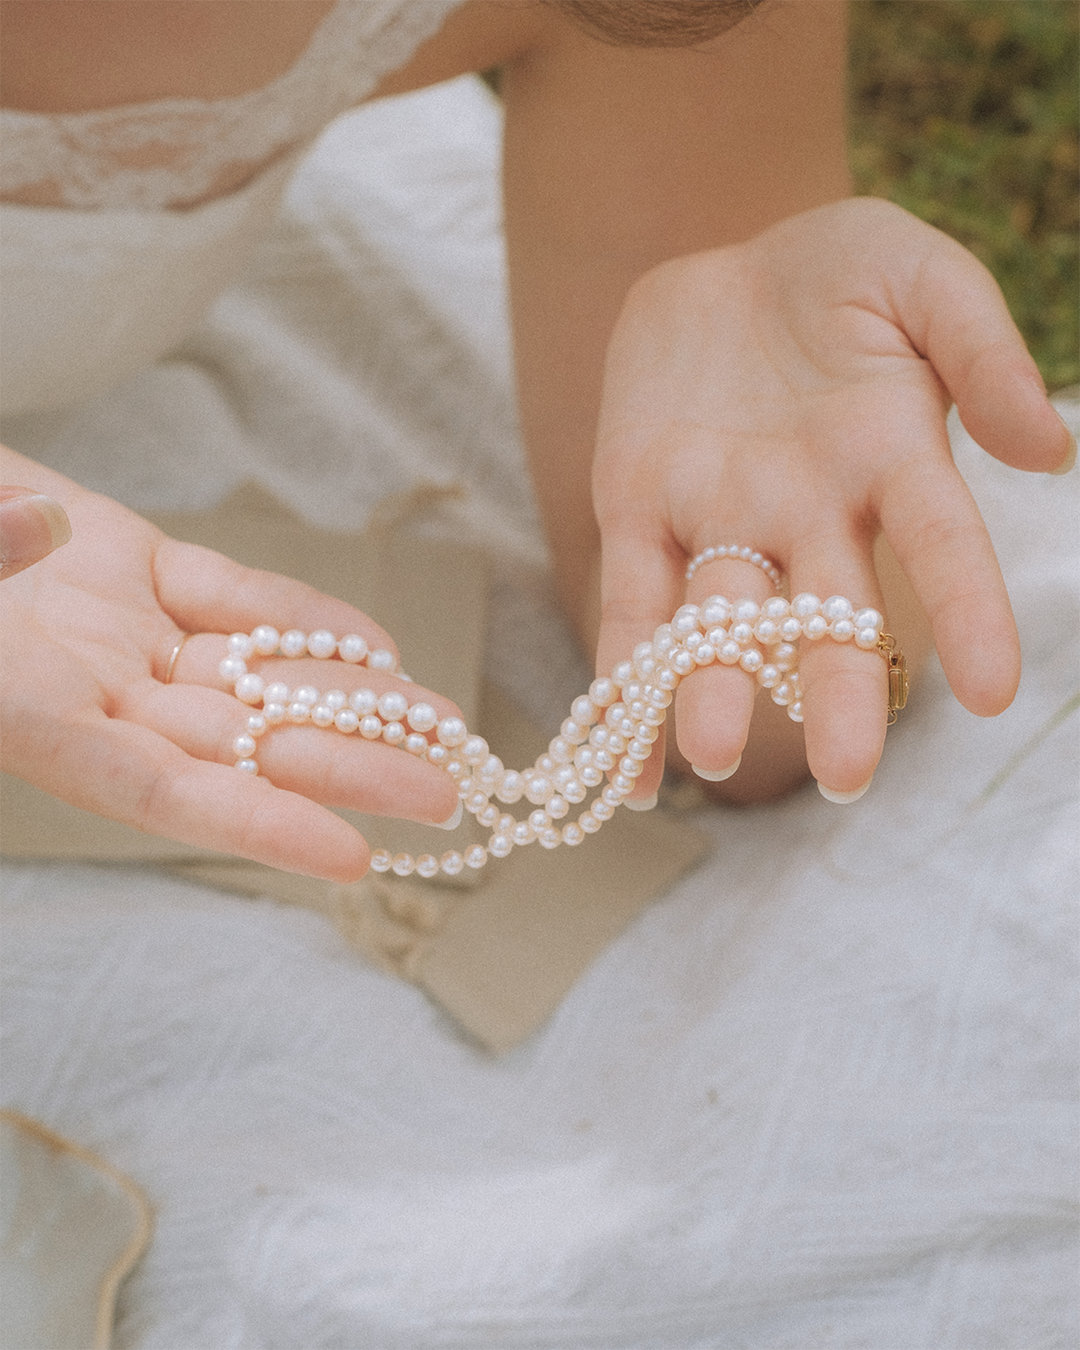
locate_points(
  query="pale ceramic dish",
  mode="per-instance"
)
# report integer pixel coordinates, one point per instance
(71, 1228)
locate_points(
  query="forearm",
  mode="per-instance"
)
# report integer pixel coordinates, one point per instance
(617, 159)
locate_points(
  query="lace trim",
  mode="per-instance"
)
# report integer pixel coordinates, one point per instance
(178, 153)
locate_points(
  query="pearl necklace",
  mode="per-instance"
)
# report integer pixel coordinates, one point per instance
(610, 731)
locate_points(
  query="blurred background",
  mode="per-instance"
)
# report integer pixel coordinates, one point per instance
(966, 112)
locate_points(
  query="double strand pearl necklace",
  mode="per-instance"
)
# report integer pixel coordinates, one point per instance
(609, 734)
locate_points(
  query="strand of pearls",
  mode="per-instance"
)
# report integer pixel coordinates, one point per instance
(609, 734)
(735, 551)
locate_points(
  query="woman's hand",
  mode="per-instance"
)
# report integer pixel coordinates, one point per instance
(790, 394)
(87, 715)
(31, 527)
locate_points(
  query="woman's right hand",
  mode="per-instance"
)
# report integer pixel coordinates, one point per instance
(86, 714)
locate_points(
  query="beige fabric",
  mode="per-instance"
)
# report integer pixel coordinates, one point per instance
(497, 949)
(72, 1228)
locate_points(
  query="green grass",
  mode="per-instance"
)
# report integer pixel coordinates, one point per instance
(966, 113)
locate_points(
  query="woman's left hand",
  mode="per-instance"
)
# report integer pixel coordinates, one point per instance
(790, 394)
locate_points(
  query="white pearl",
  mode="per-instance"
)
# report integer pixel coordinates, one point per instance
(704, 654)
(589, 822)
(352, 648)
(276, 693)
(815, 627)
(293, 643)
(265, 640)
(511, 789)
(605, 760)
(346, 721)
(654, 717)
(869, 618)
(867, 638)
(275, 713)
(837, 607)
(841, 630)
(602, 810)
(623, 672)
(370, 727)
(363, 702)
(422, 717)
(746, 611)
(791, 629)
(474, 750)
(602, 692)
(250, 688)
(630, 767)
(776, 608)
(381, 659)
(583, 710)
(298, 712)
(402, 865)
(805, 605)
(783, 693)
(557, 807)
(786, 656)
(488, 815)
(575, 791)
(715, 610)
(573, 731)
(241, 645)
(394, 733)
(742, 633)
(664, 640)
(322, 644)
(591, 777)
(392, 705)
(427, 865)
(659, 698)
(416, 744)
(767, 631)
(257, 724)
(475, 855)
(686, 619)
(795, 711)
(247, 766)
(336, 699)
(523, 833)
(451, 862)
(452, 731)
(682, 663)
(307, 693)
(244, 746)
(381, 860)
(231, 669)
(550, 838)
(668, 679)
(500, 845)
(751, 661)
(322, 716)
(438, 754)
(573, 834)
(769, 676)
(540, 790)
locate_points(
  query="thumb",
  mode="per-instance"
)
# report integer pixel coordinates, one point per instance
(31, 526)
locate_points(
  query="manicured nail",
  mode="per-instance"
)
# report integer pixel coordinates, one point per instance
(716, 775)
(453, 821)
(55, 517)
(843, 797)
(644, 804)
(1070, 458)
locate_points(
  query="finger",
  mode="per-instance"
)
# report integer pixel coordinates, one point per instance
(956, 315)
(320, 763)
(204, 591)
(31, 527)
(129, 773)
(714, 709)
(934, 526)
(641, 586)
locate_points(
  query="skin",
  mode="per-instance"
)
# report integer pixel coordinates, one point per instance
(711, 344)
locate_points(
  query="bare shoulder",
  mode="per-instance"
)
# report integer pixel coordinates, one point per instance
(81, 55)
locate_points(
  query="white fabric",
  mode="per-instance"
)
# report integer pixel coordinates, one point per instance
(821, 1096)
(172, 152)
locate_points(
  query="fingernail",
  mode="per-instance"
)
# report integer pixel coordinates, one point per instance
(716, 775)
(643, 804)
(56, 518)
(1070, 458)
(452, 822)
(843, 797)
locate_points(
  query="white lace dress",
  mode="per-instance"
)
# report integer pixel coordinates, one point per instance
(820, 1097)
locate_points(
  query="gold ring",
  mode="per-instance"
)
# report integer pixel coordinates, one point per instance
(173, 658)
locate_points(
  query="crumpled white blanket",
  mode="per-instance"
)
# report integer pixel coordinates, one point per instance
(821, 1095)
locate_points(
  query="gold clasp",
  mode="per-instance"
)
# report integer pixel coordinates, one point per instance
(898, 674)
